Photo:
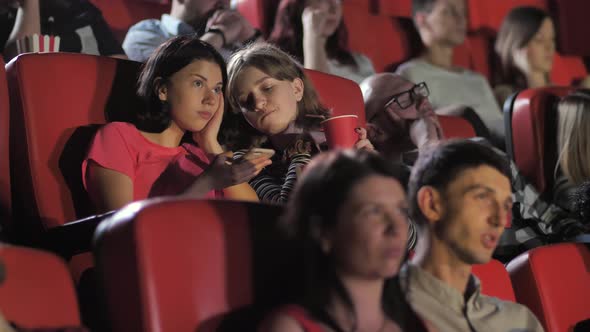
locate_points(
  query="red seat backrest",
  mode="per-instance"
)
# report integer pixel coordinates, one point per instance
(554, 282)
(184, 273)
(398, 8)
(495, 280)
(37, 291)
(389, 41)
(52, 97)
(5, 199)
(533, 134)
(122, 14)
(568, 70)
(339, 94)
(489, 14)
(455, 127)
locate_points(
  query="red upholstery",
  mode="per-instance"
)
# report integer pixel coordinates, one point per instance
(182, 273)
(122, 14)
(455, 127)
(398, 8)
(389, 42)
(52, 95)
(5, 200)
(554, 282)
(341, 95)
(489, 14)
(38, 290)
(568, 70)
(495, 280)
(534, 134)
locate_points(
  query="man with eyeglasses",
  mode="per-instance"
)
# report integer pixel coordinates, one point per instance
(399, 116)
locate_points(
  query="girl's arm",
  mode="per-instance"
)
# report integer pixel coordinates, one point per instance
(108, 189)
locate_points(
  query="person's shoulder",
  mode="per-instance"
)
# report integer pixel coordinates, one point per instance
(286, 319)
(123, 129)
(411, 67)
(510, 311)
(151, 24)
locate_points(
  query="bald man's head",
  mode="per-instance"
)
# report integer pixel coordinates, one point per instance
(378, 89)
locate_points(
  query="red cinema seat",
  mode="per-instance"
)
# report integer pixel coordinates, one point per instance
(397, 8)
(58, 101)
(568, 70)
(5, 199)
(489, 14)
(554, 282)
(455, 127)
(339, 94)
(495, 280)
(530, 120)
(37, 290)
(184, 273)
(122, 14)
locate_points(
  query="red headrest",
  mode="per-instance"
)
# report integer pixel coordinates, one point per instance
(534, 133)
(489, 14)
(554, 282)
(37, 290)
(568, 70)
(183, 273)
(455, 127)
(495, 280)
(52, 96)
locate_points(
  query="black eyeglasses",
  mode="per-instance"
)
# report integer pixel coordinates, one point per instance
(408, 98)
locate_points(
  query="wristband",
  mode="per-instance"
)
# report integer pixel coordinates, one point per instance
(219, 32)
(256, 35)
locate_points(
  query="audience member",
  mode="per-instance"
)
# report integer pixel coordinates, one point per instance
(314, 32)
(573, 140)
(399, 116)
(183, 85)
(459, 196)
(348, 218)
(526, 47)
(211, 20)
(282, 111)
(442, 26)
(78, 23)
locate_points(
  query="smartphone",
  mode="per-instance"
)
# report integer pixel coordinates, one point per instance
(258, 152)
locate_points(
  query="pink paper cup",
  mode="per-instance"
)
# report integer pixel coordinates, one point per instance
(339, 131)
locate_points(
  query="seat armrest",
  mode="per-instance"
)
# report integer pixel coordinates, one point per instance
(73, 237)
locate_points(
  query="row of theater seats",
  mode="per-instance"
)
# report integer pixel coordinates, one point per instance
(388, 36)
(224, 269)
(50, 122)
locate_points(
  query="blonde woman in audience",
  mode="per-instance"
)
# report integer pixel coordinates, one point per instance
(280, 110)
(526, 47)
(314, 32)
(573, 138)
(348, 219)
(183, 85)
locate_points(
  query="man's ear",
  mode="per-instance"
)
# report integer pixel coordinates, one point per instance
(161, 89)
(430, 203)
(298, 88)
